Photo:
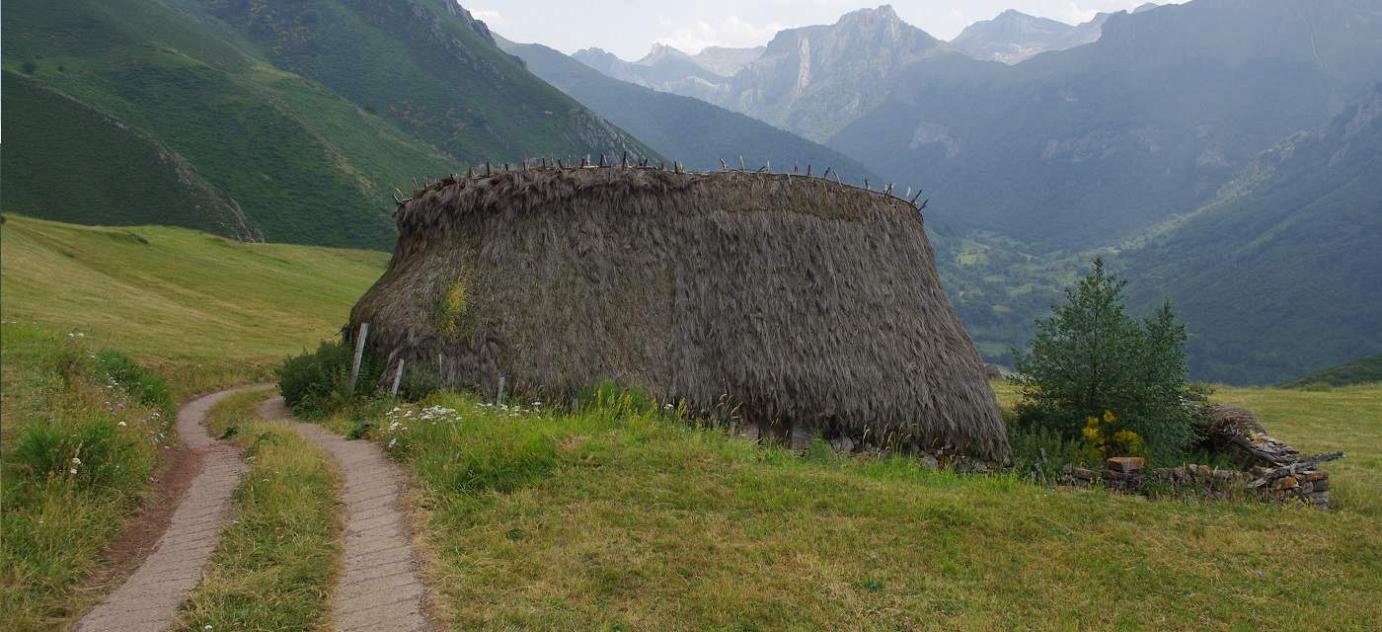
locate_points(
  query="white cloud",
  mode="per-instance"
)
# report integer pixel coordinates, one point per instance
(488, 16)
(728, 31)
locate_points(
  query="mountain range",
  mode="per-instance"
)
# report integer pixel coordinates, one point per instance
(699, 134)
(1014, 36)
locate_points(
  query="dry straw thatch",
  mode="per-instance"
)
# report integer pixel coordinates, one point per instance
(800, 300)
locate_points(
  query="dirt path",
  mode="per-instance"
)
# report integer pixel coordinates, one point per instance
(382, 587)
(148, 600)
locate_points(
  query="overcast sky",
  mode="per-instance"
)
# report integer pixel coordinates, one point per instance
(629, 28)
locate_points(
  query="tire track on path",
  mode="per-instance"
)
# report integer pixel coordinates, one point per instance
(381, 588)
(148, 600)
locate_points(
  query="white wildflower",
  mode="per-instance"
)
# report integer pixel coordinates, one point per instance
(73, 470)
(121, 424)
(76, 461)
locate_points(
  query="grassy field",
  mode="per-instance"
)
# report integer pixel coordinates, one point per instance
(616, 519)
(202, 309)
(273, 567)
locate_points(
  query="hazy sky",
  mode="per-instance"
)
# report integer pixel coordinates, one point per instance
(629, 28)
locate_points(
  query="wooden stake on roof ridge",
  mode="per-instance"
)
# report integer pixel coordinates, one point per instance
(914, 197)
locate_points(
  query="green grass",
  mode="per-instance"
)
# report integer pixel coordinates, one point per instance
(598, 520)
(205, 310)
(274, 566)
(64, 409)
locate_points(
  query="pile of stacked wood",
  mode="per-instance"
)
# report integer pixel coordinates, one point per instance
(1273, 470)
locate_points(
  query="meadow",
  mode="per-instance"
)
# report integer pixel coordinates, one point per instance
(621, 515)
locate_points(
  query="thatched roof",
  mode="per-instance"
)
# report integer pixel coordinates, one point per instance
(801, 300)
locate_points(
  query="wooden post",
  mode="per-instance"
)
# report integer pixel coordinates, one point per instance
(359, 354)
(397, 378)
(499, 396)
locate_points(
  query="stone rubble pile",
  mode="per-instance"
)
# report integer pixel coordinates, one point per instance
(1274, 471)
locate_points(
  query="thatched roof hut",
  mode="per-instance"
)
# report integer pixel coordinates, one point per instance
(802, 301)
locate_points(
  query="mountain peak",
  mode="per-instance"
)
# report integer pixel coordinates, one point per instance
(661, 52)
(882, 13)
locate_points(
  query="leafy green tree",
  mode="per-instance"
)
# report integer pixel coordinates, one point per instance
(1094, 372)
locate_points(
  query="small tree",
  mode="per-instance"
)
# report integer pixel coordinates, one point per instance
(1095, 373)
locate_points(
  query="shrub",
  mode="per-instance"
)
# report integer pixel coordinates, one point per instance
(147, 387)
(1039, 452)
(618, 401)
(1091, 361)
(92, 454)
(317, 384)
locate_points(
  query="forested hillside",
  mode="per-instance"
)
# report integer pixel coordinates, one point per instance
(1282, 273)
(303, 116)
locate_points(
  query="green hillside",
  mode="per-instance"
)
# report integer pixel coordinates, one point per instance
(1361, 371)
(1280, 275)
(77, 164)
(429, 68)
(196, 305)
(308, 157)
(682, 128)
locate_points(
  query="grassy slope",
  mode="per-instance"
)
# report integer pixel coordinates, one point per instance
(105, 164)
(58, 405)
(303, 163)
(204, 308)
(427, 70)
(596, 521)
(274, 567)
